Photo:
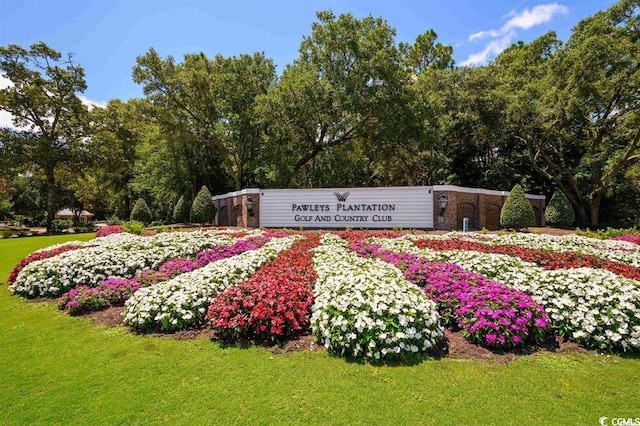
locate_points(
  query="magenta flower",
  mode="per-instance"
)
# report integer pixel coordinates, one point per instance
(488, 313)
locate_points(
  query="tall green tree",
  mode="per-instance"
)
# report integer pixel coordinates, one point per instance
(343, 87)
(43, 100)
(411, 152)
(209, 104)
(120, 129)
(576, 106)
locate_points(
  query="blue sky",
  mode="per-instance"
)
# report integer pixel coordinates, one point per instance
(106, 36)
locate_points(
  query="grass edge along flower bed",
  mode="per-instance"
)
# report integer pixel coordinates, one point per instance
(114, 291)
(488, 313)
(596, 308)
(274, 304)
(365, 308)
(182, 302)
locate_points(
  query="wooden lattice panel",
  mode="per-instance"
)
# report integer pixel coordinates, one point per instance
(492, 220)
(467, 210)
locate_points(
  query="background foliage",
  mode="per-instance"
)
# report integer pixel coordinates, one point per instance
(356, 108)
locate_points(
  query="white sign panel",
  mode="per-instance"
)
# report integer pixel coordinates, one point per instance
(404, 207)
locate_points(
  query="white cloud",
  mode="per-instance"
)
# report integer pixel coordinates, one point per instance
(502, 38)
(6, 119)
(91, 104)
(538, 15)
(483, 34)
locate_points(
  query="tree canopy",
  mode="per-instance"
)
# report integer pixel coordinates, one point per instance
(355, 108)
(51, 122)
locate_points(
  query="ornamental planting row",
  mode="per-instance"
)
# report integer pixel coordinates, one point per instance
(381, 298)
(120, 255)
(622, 251)
(182, 301)
(544, 258)
(592, 306)
(366, 308)
(114, 291)
(487, 312)
(274, 304)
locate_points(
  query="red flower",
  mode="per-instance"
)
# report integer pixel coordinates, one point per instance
(544, 258)
(274, 304)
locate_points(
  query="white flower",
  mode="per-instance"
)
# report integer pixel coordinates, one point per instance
(366, 301)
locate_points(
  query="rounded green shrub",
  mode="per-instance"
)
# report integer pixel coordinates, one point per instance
(559, 211)
(202, 209)
(182, 209)
(516, 211)
(141, 212)
(133, 227)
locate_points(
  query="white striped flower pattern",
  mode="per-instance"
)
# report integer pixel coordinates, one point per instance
(365, 308)
(182, 301)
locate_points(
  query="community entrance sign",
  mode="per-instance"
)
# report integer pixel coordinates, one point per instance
(405, 207)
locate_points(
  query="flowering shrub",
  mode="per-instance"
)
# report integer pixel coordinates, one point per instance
(43, 254)
(274, 304)
(180, 265)
(116, 255)
(182, 301)
(109, 230)
(594, 307)
(544, 258)
(115, 291)
(631, 238)
(365, 308)
(111, 292)
(487, 312)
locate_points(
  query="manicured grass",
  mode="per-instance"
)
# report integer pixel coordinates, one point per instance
(57, 369)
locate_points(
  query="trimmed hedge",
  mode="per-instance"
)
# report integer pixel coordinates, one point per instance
(141, 212)
(517, 211)
(559, 211)
(182, 209)
(202, 209)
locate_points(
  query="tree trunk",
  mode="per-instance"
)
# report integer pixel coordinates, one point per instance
(581, 211)
(127, 201)
(51, 198)
(595, 210)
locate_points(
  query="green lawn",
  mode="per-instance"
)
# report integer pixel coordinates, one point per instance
(56, 369)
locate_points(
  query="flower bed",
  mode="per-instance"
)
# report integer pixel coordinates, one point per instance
(365, 308)
(110, 292)
(630, 238)
(109, 230)
(614, 250)
(273, 305)
(592, 306)
(544, 258)
(117, 255)
(116, 290)
(488, 313)
(44, 254)
(181, 302)
(387, 303)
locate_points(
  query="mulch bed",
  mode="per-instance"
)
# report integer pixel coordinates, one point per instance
(453, 346)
